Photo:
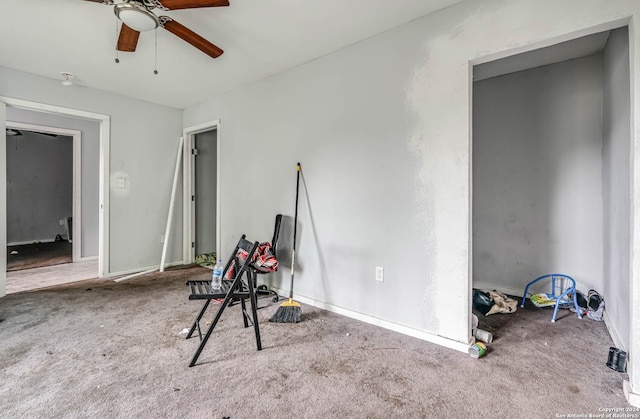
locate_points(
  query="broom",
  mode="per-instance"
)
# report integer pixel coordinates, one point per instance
(289, 311)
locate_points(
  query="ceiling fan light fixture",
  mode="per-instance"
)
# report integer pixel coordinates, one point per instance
(136, 17)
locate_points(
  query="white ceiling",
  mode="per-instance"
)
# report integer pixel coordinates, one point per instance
(569, 50)
(260, 38)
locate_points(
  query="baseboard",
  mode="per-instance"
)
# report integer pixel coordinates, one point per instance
(86, 259)
(429, 337)
(30, 242)
(632, 398)
(515, 292)
(613, 332)
(138, 270)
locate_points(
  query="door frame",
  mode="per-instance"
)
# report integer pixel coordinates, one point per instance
(76, 212)
(188, 176)
(104, 168)
(630, 387)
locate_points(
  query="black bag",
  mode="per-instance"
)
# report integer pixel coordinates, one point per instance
(481, 301)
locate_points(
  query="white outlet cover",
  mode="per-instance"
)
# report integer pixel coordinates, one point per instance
(379, 274)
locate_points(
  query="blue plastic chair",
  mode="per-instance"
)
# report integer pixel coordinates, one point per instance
(561, 286)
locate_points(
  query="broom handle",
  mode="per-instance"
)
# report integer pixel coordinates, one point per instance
(295, 227)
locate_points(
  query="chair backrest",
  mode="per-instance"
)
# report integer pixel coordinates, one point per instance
(561, 283)
(276, 233)
(237, 265)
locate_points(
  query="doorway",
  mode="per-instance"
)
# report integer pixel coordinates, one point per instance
(551, 171)
(205, 168)
(202, 197)
(43, 195)
(94, 253)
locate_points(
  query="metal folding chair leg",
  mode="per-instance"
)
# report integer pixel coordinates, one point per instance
(203, 342)
(196, 323)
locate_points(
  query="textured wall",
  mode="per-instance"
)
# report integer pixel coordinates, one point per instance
(382, 129)
(537, 176)
(90, 168)
(143, 144)
(39, 186)
(617, 187)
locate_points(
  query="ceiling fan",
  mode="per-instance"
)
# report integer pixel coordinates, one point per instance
(12, 132)
(137, 16)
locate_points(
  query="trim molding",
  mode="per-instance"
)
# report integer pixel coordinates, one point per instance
(188, 178)
(613, 332)
(138, 270)
(405, 330)
(632, 398)
(505, 290)
(30, 242)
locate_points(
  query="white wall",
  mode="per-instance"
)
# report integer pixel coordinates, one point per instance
(90, 165)
(616, 197)
(537, 176)
(39, 186)
(144, 139)
(382, 129)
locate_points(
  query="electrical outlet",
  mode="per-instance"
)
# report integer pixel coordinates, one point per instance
(119, 183)
(162, 238)
(379, 274)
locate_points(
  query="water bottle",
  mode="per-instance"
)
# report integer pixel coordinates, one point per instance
(216, 277)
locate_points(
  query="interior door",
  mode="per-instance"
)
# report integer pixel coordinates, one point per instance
(205, 179)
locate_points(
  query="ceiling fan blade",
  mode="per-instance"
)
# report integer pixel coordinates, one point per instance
(12, 132)
(128, 39)
(191, 37)
(192, 4)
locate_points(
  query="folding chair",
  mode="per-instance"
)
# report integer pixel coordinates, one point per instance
(235, 289)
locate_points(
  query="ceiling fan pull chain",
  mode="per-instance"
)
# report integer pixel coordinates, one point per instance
(117, 59)
(155, 65)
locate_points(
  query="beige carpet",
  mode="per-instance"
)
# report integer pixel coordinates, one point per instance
(105, 350)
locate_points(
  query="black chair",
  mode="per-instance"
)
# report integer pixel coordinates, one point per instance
(235, 289)
(262, 289)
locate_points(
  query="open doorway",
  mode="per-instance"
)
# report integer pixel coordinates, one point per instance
(551, 171)
(88, 224)
(202, 197)
(205, 180)
(43, 182)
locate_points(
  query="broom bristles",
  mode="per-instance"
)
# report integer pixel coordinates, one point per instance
(288, 312)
